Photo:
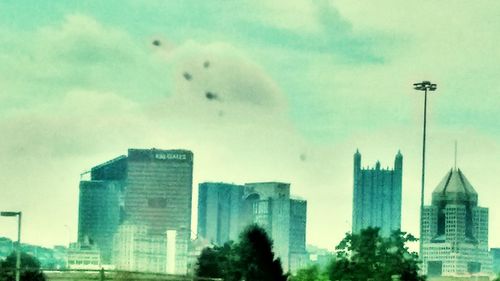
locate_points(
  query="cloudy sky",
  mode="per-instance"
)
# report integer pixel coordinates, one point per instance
(295, 87)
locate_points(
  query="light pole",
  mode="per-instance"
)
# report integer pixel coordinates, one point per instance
(424, 86)
(18, 252)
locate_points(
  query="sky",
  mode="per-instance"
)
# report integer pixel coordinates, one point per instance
(296, 87)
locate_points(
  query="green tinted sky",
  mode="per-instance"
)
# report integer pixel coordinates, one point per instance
(81, 82)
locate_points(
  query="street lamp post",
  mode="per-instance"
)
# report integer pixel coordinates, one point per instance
(18, 252)
(424, 86)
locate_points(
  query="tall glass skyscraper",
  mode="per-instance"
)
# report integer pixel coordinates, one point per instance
(455, 230)
(377, 196)
(148, 188)
(99, 215)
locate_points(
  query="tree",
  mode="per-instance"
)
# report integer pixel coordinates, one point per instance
(252, 259)
(219, 262)
(208, 263)
(256, 258)
(30, 268)
(368, 256)
(311, 273)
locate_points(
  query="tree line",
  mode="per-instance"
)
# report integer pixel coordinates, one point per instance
(359, 257)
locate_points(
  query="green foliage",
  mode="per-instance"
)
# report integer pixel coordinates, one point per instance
(257, 261)
(30, 268)
(252, 259)
(311, 273)
(219, 262)
(368, 256)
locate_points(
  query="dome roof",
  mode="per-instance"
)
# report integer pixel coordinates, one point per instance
(454, 188)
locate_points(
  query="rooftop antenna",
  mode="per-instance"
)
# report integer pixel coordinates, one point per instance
(455, 154)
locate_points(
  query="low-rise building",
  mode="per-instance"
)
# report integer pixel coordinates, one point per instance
(84, 256)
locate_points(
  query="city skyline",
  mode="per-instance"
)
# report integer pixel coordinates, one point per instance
(260, 91)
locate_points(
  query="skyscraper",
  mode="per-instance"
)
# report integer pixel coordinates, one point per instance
(219, 207)
(155, 191)
(284, 218)
(377, 196)
(455, 230)
(226, 209)
(99, 215)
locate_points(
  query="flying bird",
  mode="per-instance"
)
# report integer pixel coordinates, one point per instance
(206, 64)
(157, 43)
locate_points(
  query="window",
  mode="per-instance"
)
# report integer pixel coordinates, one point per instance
(157, 202)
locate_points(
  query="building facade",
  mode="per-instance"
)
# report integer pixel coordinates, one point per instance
(226, 209)
(99, 215)
(495, 253)
(84, 257)
(284, 219)
(136, 250)
(377, 196)
(150, 189)
(455, 230)
(219, 211)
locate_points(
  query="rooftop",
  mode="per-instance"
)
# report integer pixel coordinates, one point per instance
(454, 187)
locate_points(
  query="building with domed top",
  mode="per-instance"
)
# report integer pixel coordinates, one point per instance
(455, 230)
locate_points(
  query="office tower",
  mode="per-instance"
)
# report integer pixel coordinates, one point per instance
(455, 230)
(283, 217)
(155, 196)
(225, 210)
(377, 196)
(99, 215)
(219, 211)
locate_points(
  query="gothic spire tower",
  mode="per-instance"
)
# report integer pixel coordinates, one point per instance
(377, 196)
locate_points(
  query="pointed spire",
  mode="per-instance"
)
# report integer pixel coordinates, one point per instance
(399, 155)
(455, 155)
(357, 155)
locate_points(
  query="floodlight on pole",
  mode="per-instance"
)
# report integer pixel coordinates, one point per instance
(18, 250)
(425, 86)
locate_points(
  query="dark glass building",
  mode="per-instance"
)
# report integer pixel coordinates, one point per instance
(99, 215)
(377, 196)
(219, 211)
(148, 188)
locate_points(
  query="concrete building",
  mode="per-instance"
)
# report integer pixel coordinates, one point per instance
(226, 209)
(136, 250)
(455, 231)
(219, 207)
(148, 188)
(377, 196)
(84, 256)
(284, 219)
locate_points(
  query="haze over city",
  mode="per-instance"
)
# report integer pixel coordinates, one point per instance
(258, 90)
